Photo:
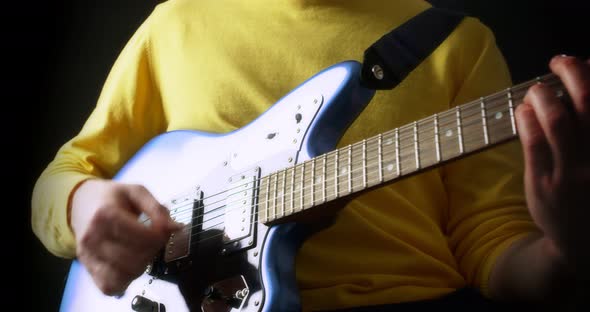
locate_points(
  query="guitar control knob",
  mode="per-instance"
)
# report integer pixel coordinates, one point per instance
(143, 304)
(213, 293)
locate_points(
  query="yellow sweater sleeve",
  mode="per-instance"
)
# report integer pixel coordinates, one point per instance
(128, 113)
(487, 209)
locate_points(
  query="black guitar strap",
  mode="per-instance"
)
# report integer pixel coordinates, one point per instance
(391, 58)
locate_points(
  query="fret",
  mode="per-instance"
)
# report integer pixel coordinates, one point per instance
(324, 179)
(459, 132)
(380, 156)
(416, 148)
(283, 192)
(457, 126)
(486, 137)
(397, 154)
(437, 138)
(266, 210)
(275, 195)
(349, 170)
(268, 197)
(301, 185)
(336, 171)
(364, 163)
(511, 109)
(313, 182)
(292, 189)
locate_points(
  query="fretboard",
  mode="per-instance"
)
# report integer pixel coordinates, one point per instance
(395, 154)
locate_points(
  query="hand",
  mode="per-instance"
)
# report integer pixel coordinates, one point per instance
(556, 140)
(110, 241)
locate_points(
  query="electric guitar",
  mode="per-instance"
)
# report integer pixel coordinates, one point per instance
(244, 193)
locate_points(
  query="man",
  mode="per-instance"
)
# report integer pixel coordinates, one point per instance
(187, 70)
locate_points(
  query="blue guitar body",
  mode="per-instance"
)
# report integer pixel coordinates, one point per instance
(230, 261)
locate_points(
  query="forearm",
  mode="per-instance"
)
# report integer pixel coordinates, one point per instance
(554, 267)
(534, 271)
(49, 214)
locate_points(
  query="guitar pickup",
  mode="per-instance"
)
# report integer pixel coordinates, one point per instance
(178, 245)
(240, 206)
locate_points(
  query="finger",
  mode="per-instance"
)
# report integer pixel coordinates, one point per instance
(128, 261)
(106, 276)
(537, 153)
(554, 119)
(137, 243)
(145, 202)
(109, 280)
(575, 75)
(124, 227)
(120, 259)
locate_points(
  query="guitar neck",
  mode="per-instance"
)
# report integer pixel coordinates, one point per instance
(389, 156)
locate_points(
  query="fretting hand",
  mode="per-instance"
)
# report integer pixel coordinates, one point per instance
(556, 142)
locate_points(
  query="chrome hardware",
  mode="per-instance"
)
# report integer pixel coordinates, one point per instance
(179, 242)
(377, 72)
(239, 216)
(226, 295)
(241, 294)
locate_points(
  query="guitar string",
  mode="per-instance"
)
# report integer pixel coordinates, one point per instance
(277, 203)
(401, 142)
(221, 223)
(491, 111)
(254, 215)
(411, 127)
(274, 200)
(490, 100)
(441, 116)
(330, 162)
(283, 195)
(387, 159)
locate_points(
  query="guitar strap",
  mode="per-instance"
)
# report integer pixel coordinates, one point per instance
(391, 58)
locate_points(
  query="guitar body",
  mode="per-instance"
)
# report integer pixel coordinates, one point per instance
(226, 260)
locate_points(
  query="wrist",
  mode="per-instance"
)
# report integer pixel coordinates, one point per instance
(551, 251)
(75, 201)
(568, 262)
(533, 269)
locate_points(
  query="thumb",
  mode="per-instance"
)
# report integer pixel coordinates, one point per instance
(536, 149)
(143, 201)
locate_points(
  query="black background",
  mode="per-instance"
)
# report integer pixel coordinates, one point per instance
(64, 50)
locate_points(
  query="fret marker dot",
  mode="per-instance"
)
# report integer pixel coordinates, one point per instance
(318, 180)
(449, 133)
(389, 167)
(388, 141)
(343, 171)
(499, 115)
